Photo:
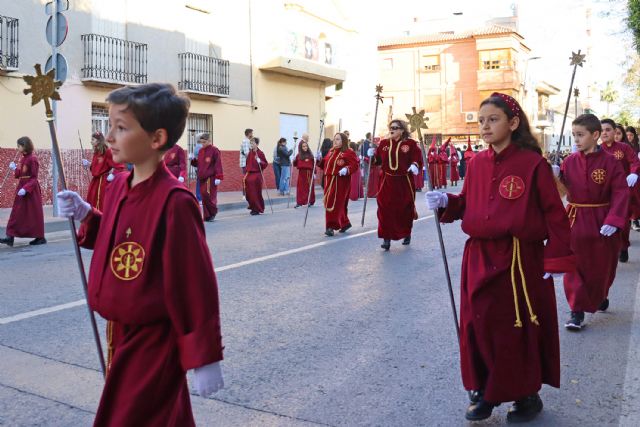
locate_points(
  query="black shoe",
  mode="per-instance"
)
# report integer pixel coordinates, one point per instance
(7, 241)
(255, 213)
(604, 305)
(38, 241)
(296, 206)
(624, 255)
(524, 410)
(635, 224)
(575, 322)
(210, 219)
(329, 232)
(407, 241)
(345, 228)
(419, 190)
(386, 244)
(481, 410)
(475, 396)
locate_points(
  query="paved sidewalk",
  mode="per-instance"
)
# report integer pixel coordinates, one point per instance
(227, 200)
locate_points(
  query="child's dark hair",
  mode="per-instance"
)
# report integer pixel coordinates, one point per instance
(589, 121)
(26, 144)
(155, 106)
(634, 142)
(256, 140)
(608, 122)
(522, 136)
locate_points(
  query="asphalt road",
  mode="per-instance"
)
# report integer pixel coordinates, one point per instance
(318, 331)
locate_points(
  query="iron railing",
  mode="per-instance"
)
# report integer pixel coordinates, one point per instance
(204, 74)
(111, 59)
(8, 43)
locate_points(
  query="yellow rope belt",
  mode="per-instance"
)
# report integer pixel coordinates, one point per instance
(572, 209)
(517, 259)
(24, 177)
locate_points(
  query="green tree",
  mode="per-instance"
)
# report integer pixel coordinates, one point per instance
(609, 95)
(625, 118)
(633, 21)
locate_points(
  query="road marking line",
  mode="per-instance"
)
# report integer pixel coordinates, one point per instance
(34, 313)
(55, 308)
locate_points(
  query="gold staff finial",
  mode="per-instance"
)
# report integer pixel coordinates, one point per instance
(417, 121)
(43, 87)
(577, 58)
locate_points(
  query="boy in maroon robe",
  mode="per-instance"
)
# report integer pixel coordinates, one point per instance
(400, 160)
(338, 164)
(598, 205)
(209, 164)
(509, 206)
(631, 165)
(163, 302)
(27, 217)
(176, 162)
(253, 179)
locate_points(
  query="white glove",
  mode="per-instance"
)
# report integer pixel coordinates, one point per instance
(110, 177)
(191, 157)
(319, 155)
(608, 230)
(632, 178)
(216, 182)
(556, 170)
(22, 192)
(371, 152)
(258, 160)
(85, 163)
(181, 178)
(343, 171)
(208, 379)
(413, 169)
(360, 157)
(547, 275)
(70, 204)
(436, 199)
(13, 166)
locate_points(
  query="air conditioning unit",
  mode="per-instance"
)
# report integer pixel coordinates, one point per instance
(471, 116)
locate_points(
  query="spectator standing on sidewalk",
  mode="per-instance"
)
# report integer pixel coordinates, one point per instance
(276, 167)
(284, 155)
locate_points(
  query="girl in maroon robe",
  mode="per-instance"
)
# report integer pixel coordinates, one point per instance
(509, 206)
(304, 162)
(338, 164)
(27, 217)
(102, 165)
(253, 179)
(210, 175)
(400, 160)
(434, 169)
(598, 204)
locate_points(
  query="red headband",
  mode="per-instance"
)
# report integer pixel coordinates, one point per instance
(511, 103)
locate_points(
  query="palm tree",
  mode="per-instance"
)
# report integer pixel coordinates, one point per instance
(609, 95)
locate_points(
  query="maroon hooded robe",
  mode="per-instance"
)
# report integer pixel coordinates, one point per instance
(396, 193)
(598, 194)
(253, 180)
(336, 187)
(209, 164)
(163, 302)
(101, 166)
(305, 169)
(509, 206)
(27, 217)
(176, 161)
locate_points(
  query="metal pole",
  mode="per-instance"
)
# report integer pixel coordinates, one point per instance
(366, 184)
(264, 183)
(9, 171)
(54, 62)
(442, 248)
(313, 171)
(76, 246)
(576, 60)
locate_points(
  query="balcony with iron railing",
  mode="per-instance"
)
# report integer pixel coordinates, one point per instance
(113, 61)
(203, 75)
(8, 43)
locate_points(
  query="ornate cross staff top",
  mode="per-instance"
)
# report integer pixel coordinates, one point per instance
(417, 122)
(43, 87)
